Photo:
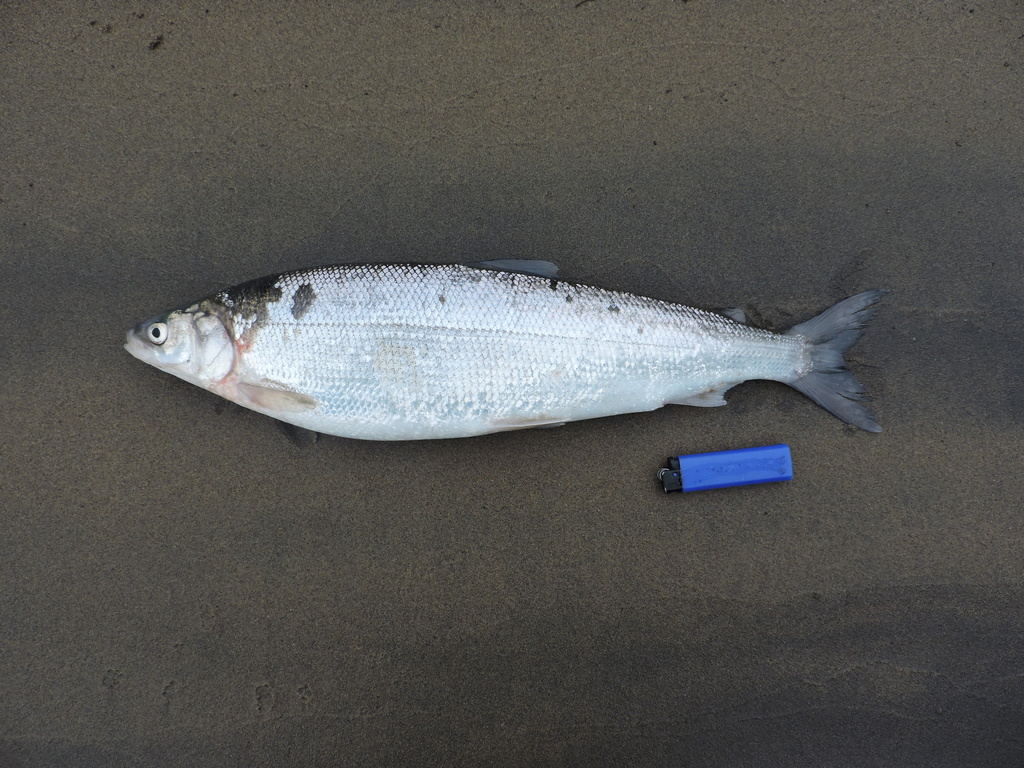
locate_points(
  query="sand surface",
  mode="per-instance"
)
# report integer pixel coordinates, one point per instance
(182, 584)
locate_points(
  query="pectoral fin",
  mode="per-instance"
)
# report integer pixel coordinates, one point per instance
(270, 396)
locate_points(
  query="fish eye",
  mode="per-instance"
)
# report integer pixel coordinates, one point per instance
(157, 333)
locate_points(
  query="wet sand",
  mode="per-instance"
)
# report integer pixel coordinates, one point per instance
(182, 584)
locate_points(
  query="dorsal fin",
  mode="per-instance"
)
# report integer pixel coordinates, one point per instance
(735, 313)
(522, 266)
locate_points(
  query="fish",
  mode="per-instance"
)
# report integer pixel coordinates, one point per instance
(426, 351)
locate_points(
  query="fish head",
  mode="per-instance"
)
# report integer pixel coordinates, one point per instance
(192, 344)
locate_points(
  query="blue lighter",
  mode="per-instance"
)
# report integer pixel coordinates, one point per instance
(724, 469)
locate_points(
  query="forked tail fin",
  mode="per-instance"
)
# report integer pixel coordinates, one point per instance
(828, 383)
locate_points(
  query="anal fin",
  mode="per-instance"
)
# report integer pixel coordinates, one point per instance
(525, 422)
(712, 398)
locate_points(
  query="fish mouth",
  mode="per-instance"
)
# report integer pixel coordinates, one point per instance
(135, 345)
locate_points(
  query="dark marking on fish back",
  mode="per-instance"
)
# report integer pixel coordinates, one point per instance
(250, 299)
(302, 300)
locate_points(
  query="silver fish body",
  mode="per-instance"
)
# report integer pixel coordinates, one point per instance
(411, 351)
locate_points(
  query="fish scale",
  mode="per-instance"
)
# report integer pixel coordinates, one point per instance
(410, 351)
